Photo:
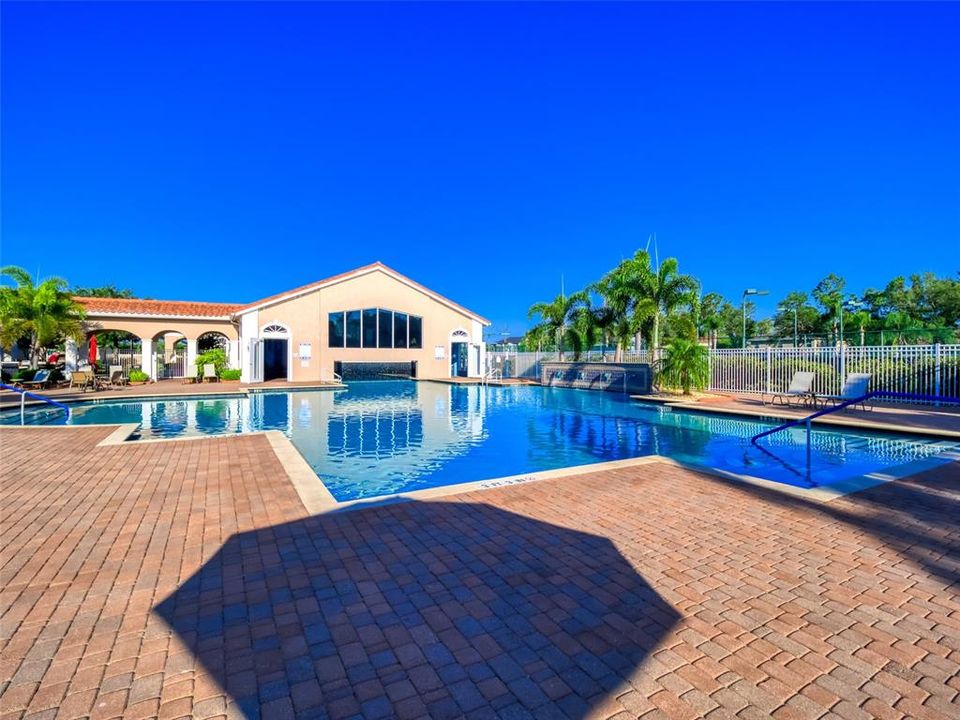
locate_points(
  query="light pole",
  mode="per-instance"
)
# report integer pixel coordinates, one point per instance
(743, 309)
(796, 342)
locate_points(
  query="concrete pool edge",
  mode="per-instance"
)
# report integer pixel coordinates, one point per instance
(317, 498)
(826, 422)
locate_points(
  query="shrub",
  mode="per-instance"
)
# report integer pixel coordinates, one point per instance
(229, 374)
(217, 356)
(138, 375)
(686, 366)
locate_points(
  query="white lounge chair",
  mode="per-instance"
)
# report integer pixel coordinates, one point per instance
(856, 385)
(210, 373)
(192, 375)
(801, 386)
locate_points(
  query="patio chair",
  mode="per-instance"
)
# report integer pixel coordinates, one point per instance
(191, 375)
(210, 373)
(800, 387)
(40, 380)
(856, 385)
(83, 380)
(116, 378)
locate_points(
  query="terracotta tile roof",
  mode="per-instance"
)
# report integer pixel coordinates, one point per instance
(135, 306)
(360, 271)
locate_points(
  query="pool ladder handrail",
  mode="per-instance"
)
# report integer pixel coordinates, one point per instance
(808, 420)
(24, 394)
(495, 374)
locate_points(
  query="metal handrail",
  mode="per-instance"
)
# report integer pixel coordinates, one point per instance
(496, 373)
(24, 394)
(806, 421)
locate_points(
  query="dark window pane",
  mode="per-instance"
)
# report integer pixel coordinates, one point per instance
(370, 328)
(353, 328)
(399, 330)
(416, 332)
(386, 328)
(336, 330)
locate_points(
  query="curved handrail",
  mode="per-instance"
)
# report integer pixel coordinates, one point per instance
(847, 403)
(26, 394)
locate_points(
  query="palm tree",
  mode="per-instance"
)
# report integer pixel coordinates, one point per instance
(602, 322)
(42, 312)
(557, 319)
(668, 290)
(624, 294)
(686, 366)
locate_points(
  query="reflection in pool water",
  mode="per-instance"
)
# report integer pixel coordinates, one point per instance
(379, 438)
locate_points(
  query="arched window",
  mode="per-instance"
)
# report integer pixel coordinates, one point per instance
(460, 335)
(274, 329)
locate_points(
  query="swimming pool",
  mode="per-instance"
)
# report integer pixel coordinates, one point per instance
(380, 438)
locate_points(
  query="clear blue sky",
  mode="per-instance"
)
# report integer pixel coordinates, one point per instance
(226, 152)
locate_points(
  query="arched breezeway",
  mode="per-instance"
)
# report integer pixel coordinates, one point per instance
(162, 346)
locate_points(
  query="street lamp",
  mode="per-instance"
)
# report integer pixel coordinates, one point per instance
(743, 309)
(795, 341)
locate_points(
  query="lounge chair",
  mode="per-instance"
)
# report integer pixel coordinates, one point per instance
(82, 380)
(191, 376)
(40, 380)
(855, 386)
(210, 373)
(116, 379)
(800, 387)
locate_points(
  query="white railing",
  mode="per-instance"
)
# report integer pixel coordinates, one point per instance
(920, 369)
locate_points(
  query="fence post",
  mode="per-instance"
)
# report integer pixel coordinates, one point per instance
(936, 376)
(768, 370)
(843, 365)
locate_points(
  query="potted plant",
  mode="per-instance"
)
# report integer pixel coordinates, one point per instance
(138, 377)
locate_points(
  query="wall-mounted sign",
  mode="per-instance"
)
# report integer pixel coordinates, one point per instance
(439, 352)
(306, 351)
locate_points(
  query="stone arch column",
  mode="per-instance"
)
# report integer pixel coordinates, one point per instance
(147, 357)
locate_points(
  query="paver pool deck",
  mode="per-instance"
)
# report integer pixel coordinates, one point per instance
(185, 579)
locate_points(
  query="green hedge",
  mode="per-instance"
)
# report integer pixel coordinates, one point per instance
(229, 374)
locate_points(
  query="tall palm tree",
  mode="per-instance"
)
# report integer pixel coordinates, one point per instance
(624, 291)
(602, 322)
(42, 312)
(557, 319)
(668, 289)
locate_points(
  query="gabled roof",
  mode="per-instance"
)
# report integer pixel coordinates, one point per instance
(166, 308)
(365, 270)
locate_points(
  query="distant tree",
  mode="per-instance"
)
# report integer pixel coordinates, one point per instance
(806, 315)
(41, 313)
(708, 316)
(104, 291)
(945, 297)
(109, 338)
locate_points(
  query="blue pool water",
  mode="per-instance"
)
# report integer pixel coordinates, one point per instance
(378, 438)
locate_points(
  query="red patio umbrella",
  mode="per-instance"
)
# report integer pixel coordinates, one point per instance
(92, 354)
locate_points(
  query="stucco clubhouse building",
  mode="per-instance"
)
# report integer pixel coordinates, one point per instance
(369, 321)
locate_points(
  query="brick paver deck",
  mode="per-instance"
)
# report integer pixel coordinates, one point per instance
(180, 579)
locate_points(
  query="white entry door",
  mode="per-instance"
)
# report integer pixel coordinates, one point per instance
(256, 360)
